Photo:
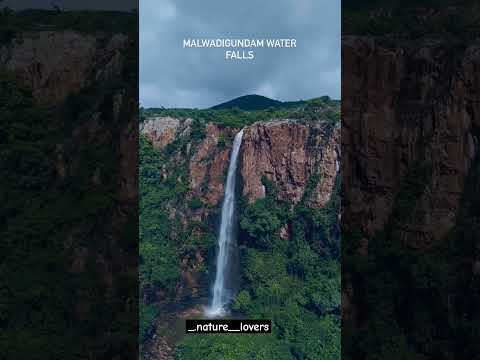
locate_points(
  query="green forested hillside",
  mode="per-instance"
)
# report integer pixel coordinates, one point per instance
(249, 103)
(163, 239)
(322, 108)
(53, 215)
(294, 282)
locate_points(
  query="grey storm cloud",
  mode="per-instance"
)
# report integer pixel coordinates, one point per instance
(173, 76)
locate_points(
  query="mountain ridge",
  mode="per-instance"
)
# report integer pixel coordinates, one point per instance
(254, 102)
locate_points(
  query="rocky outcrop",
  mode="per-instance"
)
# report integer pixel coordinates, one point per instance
(56, 64)
(407, 107)
(161, 130)
(209, 165)
(288, 153)
(158, 349)
(207, 160)
(190, 285)
(92, 199)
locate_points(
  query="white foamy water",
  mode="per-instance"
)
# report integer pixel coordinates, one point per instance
(222, 293)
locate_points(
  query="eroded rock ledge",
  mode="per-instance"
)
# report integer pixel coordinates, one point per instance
(286, 152)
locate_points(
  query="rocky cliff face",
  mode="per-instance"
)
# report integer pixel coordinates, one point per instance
(292, 154)
(410, 145)
(161, 131)
(410, 112)
(208, 166)
(56, 64)
(207, 160)
(288, 153)
(90, 90)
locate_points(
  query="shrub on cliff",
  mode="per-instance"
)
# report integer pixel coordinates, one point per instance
(261, 221)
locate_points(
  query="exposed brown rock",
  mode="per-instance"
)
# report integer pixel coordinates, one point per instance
(190, 284)
(288, 153)
(406, 105)
(328, 168)
(128, 155)
(158, 349)
(208, 166)
(161, 130)
(55, 64)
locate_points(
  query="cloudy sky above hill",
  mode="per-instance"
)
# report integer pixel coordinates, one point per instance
(173, 76)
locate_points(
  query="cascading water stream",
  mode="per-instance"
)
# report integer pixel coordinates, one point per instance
(226, 238)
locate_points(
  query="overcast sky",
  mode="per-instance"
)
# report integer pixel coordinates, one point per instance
(172, 76)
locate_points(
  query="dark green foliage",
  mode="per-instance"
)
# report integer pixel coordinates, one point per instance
(33, 273)
(294, 282)
(158, 264)
(413, 186)
(159, 258)
(322, 225)
(283, 280)
(400, 325)
(261, 221)
(12, 24)
(147, 314)
(305, 308)
(222, 142)
(394, 4)
(195, 203)
(401, 18)
(258, 102)
(289, 282)
(47, 220)
(198, 131)
(197, 134)
(55, 225)
(164, 240)
(323, 109)
(419, 303)
(232, 347)
(249, 103)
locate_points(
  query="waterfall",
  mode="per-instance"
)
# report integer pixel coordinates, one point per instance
(222, 293)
